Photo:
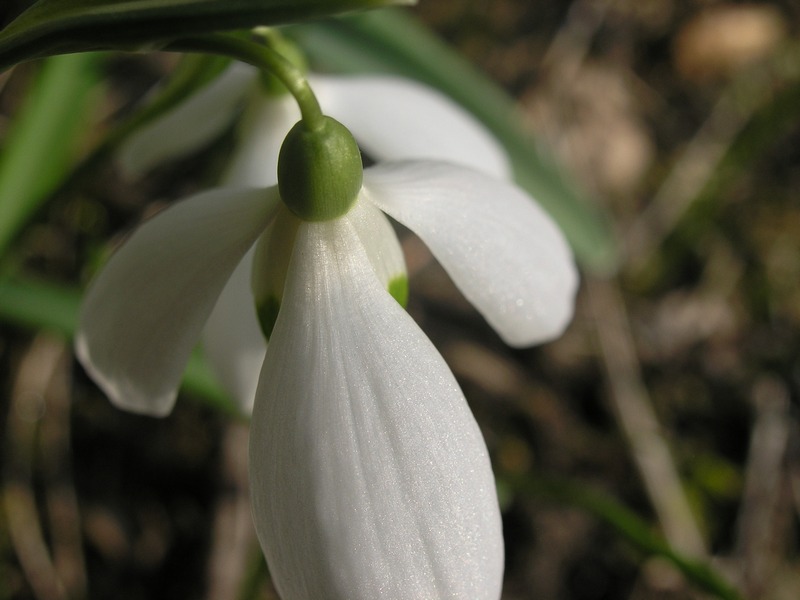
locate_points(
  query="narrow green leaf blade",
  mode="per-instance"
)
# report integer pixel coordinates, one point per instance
(39, 305)
(391, 41)
(40, 146)
(64, 26)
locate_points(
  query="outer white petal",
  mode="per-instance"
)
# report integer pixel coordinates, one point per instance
(395, 118)
(370, 478)
(501, 249)
(232, 340)
(145, 310)
(190, 125)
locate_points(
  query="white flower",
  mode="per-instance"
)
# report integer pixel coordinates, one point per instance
(369, 475)
(391, 117)
(370, 478)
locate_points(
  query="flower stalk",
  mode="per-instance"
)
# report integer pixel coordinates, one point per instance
(264, 57)
(319, 168)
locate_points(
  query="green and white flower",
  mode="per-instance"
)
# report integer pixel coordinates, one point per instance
(391, 117)
(369, 475)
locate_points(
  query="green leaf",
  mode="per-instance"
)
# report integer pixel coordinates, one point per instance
(65, 26)
(40, 146)
(39, 305)
(391, 41)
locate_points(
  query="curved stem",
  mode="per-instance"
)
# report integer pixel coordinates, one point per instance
(264, 58)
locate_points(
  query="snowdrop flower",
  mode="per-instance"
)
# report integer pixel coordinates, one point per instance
(392, 118)
(369, 475)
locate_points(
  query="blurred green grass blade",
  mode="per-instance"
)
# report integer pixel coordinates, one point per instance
(43, 138)
(38, 305)
(628, 525)
(64, 26)
(392, 41)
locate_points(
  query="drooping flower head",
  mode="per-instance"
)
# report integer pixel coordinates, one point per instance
(370, 477)
(391, 117)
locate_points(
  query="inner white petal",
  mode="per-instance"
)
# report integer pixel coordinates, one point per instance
(379, 240)
(232, 340)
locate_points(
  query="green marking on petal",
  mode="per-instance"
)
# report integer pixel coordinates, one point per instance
(398, 288)
(268, 314)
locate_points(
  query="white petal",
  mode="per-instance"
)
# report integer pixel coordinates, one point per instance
(145, 310)
(370, 478)
(266, 122)
(232, 340)
(381, 245)
(501, 249)
(395, 118)
(190, 125)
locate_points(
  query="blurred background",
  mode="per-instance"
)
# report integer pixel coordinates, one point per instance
(661, 428)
